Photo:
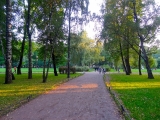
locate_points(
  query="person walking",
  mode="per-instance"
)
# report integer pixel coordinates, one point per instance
(15, 69)
(99, 70)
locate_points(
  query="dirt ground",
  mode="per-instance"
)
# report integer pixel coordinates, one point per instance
(83, 98)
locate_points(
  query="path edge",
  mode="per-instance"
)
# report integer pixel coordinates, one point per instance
(122, 110)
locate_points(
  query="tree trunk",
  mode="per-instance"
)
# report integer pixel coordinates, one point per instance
(128, 68)
(8, 58)
(44, 70)
(54, 64)
(124, 66)
(13, 78)
(47, 70)
(149, 71)
(128, 64)
(69, 37)
(139, 62)
(45, 73)
(30, 43)
(21, 56)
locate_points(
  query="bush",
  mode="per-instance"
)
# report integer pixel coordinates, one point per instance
(108, 69)
(64, 70)
(81, 69)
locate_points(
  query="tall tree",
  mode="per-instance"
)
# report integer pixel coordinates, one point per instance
(77, 11)
(24, 38)
(8, 62)
(51, 27)
(30, 41)
(119, 22)
(145, 27)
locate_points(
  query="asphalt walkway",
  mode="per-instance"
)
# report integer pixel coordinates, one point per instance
(83, 98)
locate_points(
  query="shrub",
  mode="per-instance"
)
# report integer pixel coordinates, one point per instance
(108, 69)
(81, 69)
(64, 70)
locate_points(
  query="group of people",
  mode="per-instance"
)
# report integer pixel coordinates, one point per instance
(100, 69)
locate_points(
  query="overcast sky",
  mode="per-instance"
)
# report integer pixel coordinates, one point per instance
(94, 7)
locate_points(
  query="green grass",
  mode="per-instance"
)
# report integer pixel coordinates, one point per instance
(18, 91)
(34, 70)
(139, 95)
(25, 70)
(144, 71)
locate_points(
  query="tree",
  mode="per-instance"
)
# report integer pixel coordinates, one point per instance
(8, 58)
(49, 24)
(120, 27)
(116, 31)
(23, 15)
(84, 50)
(146, 28)
(30, 41)
(75, 7)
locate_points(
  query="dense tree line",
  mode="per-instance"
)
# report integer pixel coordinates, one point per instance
(21, 20)
(37, 35)
(32, 32)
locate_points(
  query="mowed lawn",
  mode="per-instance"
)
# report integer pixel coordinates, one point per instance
(141, 96)
(25, 70)
(21, 89)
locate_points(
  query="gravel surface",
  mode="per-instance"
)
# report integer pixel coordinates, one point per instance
(83, 98)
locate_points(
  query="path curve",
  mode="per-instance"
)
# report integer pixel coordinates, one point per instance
(83, 98)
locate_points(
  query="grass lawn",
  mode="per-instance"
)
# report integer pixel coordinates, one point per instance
(11, 95)
(136, 71)
(25, 70)
(138, 94)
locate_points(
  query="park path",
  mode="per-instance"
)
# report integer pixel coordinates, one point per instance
(83, 98)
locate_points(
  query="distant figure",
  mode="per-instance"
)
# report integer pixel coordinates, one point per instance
(15, 70)
(99, 70)
(104, 70)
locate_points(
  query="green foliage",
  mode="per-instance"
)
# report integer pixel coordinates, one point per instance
(107, 68)
(2, 61)
(64, 70)
(139, 95)
(82, 68)
(2, 14)
(85, 51)
(152, 62)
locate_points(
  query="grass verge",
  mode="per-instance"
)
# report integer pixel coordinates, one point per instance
(138, 94)
(22, 89)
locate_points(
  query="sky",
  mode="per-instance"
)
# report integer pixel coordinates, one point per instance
(94, 7)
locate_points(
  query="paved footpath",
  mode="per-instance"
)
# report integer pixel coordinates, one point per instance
(83, 98)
